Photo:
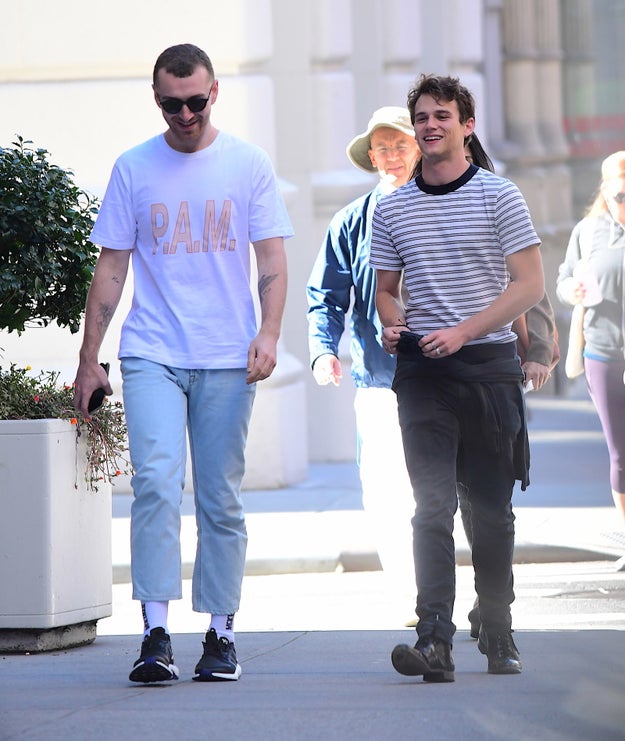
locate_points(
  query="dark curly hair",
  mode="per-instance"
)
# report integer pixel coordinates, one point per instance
(442, 88)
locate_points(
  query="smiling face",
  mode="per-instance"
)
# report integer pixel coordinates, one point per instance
(188, 131)
(394, 154)
(438, 130)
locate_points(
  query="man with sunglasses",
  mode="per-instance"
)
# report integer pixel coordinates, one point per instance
(186, 205)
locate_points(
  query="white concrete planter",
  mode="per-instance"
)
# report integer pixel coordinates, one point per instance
(55, 539)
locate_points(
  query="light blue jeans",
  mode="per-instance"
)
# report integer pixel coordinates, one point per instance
(215, 405)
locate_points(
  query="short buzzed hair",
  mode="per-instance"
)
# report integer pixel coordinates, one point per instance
(182, 60)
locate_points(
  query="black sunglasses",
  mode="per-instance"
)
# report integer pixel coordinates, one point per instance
(619, 198)
(174, 105)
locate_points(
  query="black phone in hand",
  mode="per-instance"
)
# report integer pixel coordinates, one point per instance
(97, 397)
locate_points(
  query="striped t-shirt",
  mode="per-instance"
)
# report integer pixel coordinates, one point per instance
(451, 241)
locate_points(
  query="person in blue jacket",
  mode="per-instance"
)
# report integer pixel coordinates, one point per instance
(341, 278)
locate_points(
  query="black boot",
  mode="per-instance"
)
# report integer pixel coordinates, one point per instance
(498, 646)
(474, 620)
(430, 658)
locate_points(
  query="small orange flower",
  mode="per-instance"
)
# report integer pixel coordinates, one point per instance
(74, 421)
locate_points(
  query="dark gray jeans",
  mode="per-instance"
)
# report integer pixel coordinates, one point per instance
(445, 442)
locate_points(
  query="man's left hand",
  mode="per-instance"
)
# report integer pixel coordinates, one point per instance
(261, 358)
(536, 373)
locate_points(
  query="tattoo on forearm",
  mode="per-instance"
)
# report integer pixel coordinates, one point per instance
(104, 318)
(264, 282)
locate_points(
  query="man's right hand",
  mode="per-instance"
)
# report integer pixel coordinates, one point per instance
(104, 294)
(327, 369)
(89, 377)
(391, 336)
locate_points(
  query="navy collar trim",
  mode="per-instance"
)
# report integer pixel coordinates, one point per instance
(441, 190)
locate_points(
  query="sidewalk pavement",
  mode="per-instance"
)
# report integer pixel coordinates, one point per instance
(335, 685)
(330, 532)
(327, 676)
(319, 525)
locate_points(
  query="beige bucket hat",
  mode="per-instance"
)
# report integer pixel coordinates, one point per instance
(393, 117)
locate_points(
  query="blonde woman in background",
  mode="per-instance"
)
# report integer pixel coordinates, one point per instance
(593, 274)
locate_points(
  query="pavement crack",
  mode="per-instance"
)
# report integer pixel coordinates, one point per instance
(277, 647)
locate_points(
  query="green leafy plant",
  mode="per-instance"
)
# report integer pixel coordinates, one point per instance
(41, 396)
(46, 265)
(46, 258)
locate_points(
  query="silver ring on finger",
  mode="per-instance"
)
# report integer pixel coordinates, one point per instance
(438, 351)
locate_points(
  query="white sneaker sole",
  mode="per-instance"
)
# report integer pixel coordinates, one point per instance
(154, 672)
(219, 676)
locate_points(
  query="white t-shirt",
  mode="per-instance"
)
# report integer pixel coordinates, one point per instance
(189, 219)
(451, 241)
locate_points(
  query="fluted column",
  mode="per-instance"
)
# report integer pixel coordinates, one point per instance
(580, 98)
(334, 183)
(550, 116)
(520, 56)
(549, 110)
(534, 119)
(579, 74)
(466, 56)
(401, 25)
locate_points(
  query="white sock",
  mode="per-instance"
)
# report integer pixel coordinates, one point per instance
(223, 625)
(154, 616)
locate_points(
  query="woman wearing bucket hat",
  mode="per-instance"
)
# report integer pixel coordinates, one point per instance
(341, 272)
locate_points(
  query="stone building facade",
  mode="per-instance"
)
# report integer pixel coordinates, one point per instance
(300, 78)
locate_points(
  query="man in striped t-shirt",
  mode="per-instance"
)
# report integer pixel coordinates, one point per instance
(463, 239)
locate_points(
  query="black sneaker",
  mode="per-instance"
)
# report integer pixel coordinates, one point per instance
(219, 660)
(430, 658)
(498, 646)
(156, 663)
